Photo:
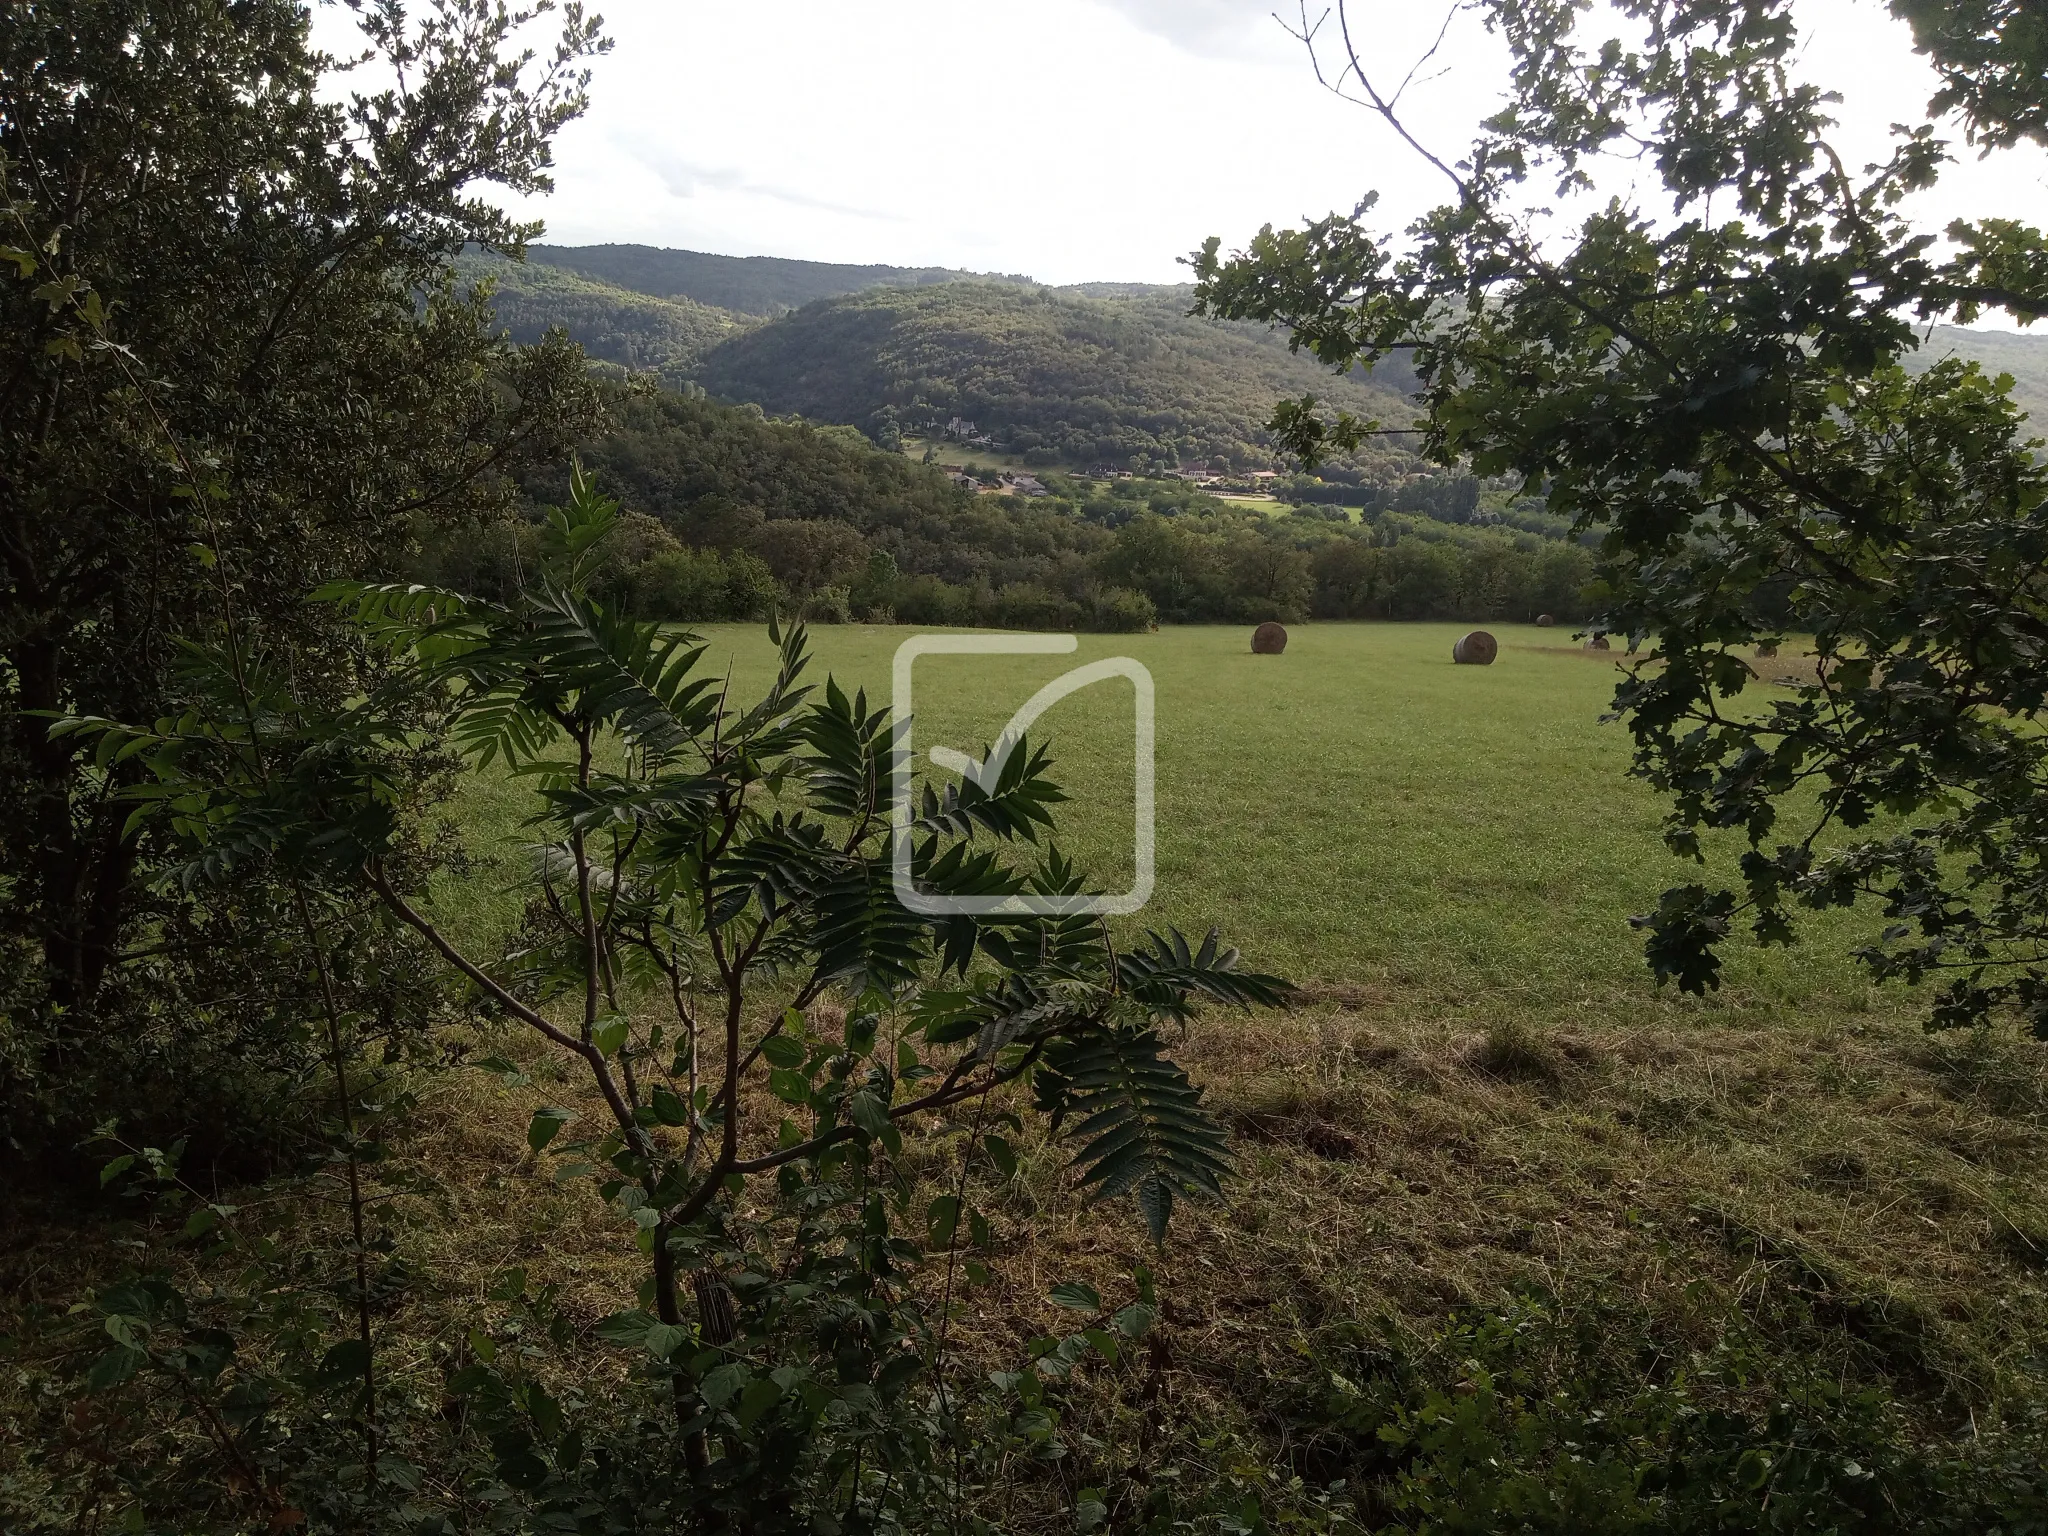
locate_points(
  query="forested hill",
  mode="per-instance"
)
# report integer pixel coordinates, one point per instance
(1074, 379)
(636, 331)
(2023, 355)
(1113, 373)
(746, 285)
(1110, 373)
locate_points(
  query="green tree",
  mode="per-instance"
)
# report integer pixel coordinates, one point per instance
(709, 876)
(1176, 569)
(1992, 56)
(234, 365)
(1268, 578)
(1720, 392)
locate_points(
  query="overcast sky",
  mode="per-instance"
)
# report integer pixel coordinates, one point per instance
(1070, 140)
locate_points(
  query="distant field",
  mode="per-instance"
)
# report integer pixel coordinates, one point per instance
(1275, 508)
(1361, 813)
(1266, 504)
(1481, 1093)
(966, 458)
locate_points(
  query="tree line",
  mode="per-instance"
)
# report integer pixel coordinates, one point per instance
(734, 516)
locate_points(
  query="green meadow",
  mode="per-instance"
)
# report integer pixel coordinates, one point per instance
(1358, 813)
(1481, 1092)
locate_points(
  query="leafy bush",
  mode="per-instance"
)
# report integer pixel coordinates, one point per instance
(1527, 1420)
(699, 586)
(193, 423)
(695, 911)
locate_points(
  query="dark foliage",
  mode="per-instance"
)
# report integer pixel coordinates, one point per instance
(1728, 405)
(231, 364)
(1530, 1420)
(1992, 56)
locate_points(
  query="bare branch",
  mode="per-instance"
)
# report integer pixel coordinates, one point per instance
(1442, 32)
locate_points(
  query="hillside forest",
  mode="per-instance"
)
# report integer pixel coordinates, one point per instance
(734, 516)
(733, 382)
(768, 462)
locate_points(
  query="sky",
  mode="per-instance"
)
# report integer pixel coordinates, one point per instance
(1076, 140)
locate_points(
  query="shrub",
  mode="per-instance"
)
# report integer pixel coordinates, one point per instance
(701, 586)
(829, 605)
(1532, 1420)
(1120, 611)
(694, 908)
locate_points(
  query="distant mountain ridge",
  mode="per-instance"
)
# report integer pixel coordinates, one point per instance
(1090, 373)
(1064, 379)
(747, 285)
(1111, 373)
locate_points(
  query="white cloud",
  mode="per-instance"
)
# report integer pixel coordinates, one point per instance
(1214, 27)
(1071, 139)
(683, 179)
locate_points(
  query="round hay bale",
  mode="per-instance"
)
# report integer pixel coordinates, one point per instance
(1598, 643)
(1766, 652)
(1545, 620)
(1269, 639)
(1476, 650)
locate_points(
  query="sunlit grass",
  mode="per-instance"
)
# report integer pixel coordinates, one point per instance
(1358, 813)
(1483, 1090)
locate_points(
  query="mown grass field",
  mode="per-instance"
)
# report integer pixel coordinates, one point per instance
(1781, 1191)
(1265, 504)
(1482, 1094)
(1360, 815)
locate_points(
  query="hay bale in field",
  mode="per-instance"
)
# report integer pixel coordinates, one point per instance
(1598, 643)
(1545, 620)
(1476, 650)
(1766, 651)
(1269, 639)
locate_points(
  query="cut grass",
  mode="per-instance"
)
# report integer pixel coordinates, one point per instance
(1481, 1094)
(949, 451)
(1414, 838)
(1289, 509)
(1484, 1090)
(1266, 504)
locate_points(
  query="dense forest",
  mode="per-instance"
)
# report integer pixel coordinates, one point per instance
(629, 331)
(1109, 374)
(732, 515)
(1128, 382)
